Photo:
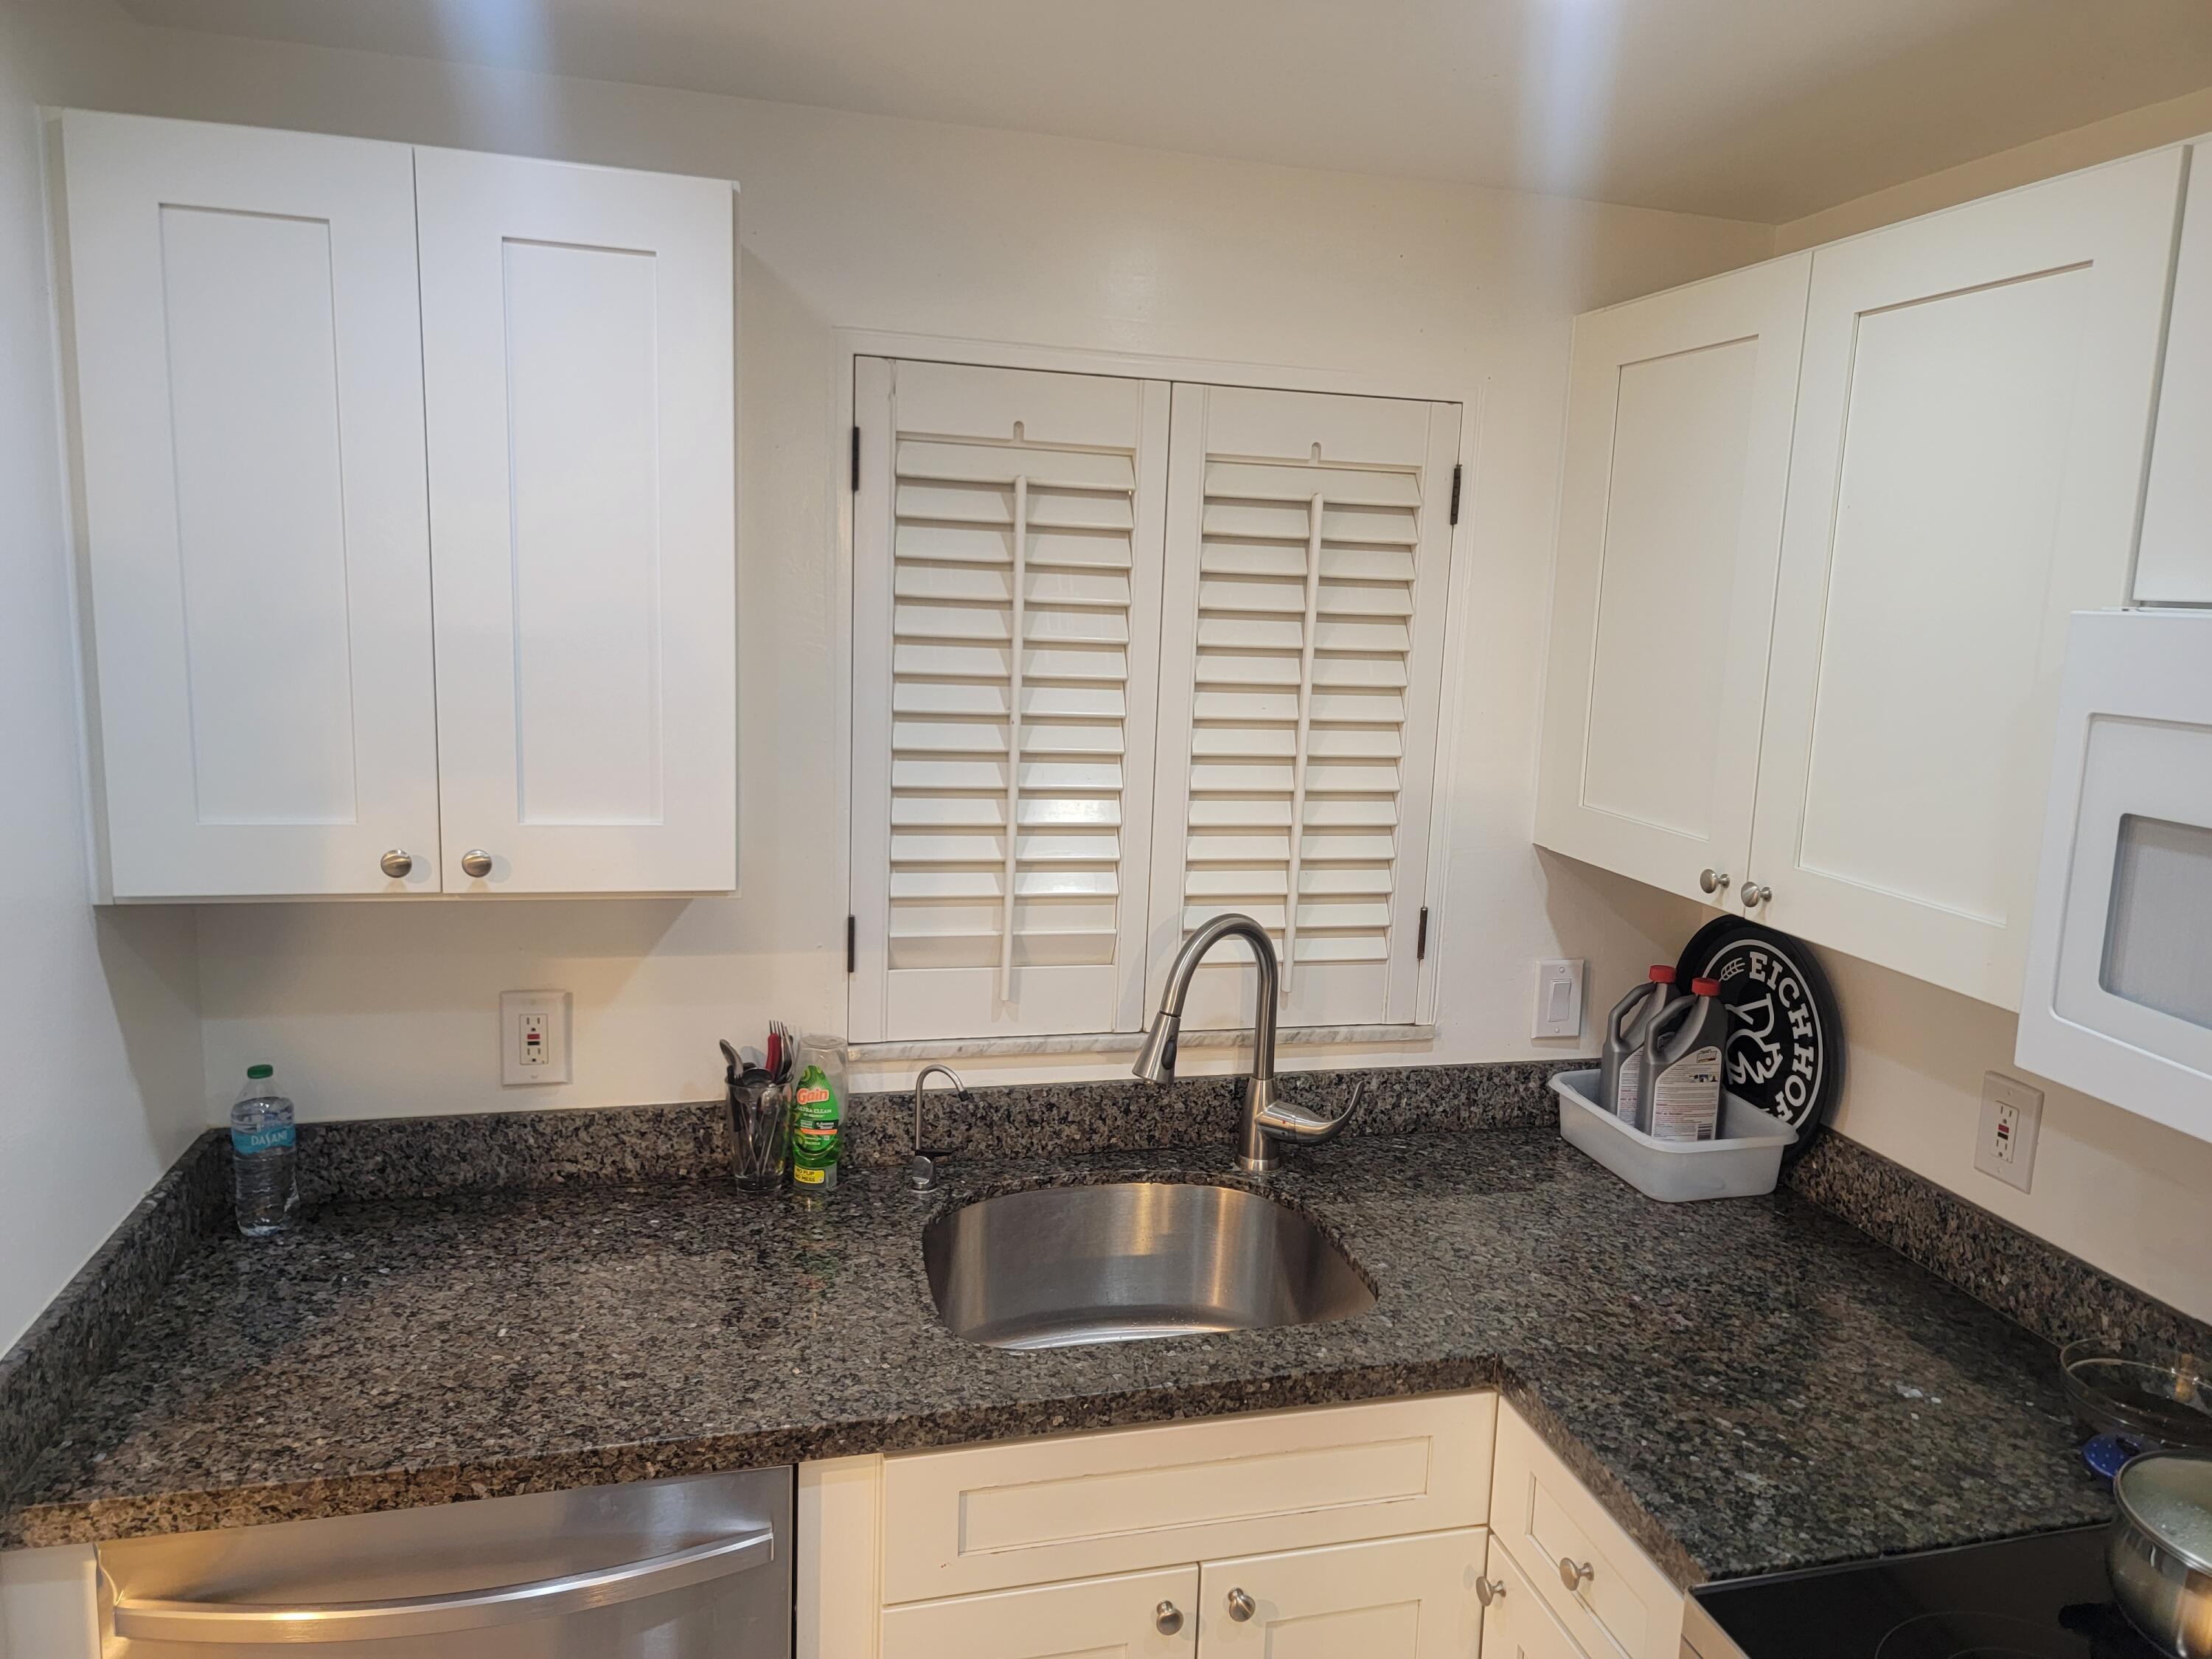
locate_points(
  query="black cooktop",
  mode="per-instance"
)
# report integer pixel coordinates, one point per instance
(2045, 1597)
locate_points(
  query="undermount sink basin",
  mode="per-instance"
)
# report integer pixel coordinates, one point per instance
(1068, 1265)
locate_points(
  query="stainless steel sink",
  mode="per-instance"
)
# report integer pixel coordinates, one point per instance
(1069, 1264)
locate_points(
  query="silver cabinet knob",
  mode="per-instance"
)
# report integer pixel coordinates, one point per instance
(1575, 1574)
(395, 863)
(1167, 1618)
(1240, 1606)
(476, 862)
(1712, 881)
(1489, 1591)
(1754, 895)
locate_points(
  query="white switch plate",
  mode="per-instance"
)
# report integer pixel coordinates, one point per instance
(533, 1036)
(2012, 1113)
(1558, 999)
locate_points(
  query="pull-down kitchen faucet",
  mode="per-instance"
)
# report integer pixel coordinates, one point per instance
(1268, 1117)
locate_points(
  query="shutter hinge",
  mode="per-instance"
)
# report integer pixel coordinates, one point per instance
(852, 944)
(1457, 468)
(856, 473)
(1421, 938)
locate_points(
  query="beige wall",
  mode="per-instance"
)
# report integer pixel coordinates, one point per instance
(864, 222)
(98, 1030)
(2083, 146)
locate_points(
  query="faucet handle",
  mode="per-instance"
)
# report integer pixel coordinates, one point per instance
(1284, 1120)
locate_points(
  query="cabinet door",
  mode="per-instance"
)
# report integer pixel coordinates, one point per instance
(1517, 1625)
(578, 326)
(247, 356)
(1678, 419)
(2173, 566)
(1404, 1598)
(1308, 556)
(1972, 425)
(1142, 1615)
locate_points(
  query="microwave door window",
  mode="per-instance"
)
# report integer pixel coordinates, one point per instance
(2158, 931)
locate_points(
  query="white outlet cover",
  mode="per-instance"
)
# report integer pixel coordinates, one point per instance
(1558, 999)
(522, 1063)
(2012, 1115)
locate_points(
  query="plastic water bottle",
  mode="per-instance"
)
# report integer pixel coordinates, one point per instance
(264, 1180)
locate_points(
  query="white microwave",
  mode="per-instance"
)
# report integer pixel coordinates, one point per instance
(2118, 997)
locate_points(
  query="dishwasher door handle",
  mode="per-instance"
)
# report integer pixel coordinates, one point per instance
(243, 1624)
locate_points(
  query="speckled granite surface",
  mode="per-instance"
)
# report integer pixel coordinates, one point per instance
(1752, 1385)
(2057, 1296)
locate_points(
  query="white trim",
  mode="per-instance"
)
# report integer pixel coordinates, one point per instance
(1107, 1043)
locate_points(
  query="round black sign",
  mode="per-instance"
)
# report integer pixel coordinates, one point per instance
(1785, 1047)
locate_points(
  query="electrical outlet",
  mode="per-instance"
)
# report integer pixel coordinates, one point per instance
(533, 1036)
(2012, 1113)
(1558, 999)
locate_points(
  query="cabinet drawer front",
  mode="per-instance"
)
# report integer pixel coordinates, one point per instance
(1624, 1604)
(1096, 1618)
(1029, 1512)
(1395, 1598)
(1517, 1624)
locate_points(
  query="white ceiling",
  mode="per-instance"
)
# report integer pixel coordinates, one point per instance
(1754, 109)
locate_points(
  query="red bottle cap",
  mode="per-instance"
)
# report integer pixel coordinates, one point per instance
(1662, 974)
(1705, 988)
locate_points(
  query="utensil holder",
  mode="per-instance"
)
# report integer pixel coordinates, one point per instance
(760, 1132)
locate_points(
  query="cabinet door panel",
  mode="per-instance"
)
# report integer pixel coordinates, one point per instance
(1975, 408)
(247, 354)
(1678, 449)
(2174, 565)
(1403, 1598)
(578, 328)
(1517, 1624)
(1091, 1618)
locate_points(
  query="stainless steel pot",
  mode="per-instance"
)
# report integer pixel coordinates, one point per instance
(2159, 1554)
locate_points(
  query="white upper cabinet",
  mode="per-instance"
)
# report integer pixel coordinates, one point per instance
(249, 397)
(1832, 677)
(1972, 419)
(296, 424)
(578, 357)
(1677, 459)
(1006, 624)
(2174, 565)
(1309, 552)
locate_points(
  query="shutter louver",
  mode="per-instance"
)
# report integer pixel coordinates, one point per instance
(1298, 705)
(1317, 529)
(1019, 577)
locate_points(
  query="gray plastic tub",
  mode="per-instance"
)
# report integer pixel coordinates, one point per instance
(1745, 1161)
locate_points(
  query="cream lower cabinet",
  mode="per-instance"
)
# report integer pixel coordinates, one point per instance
(1965, 453)
(1397, 1598)
(1138, 1615)
(1517, 1625)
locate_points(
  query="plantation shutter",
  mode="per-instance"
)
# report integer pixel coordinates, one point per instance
(1006, 553)
(1308, 558)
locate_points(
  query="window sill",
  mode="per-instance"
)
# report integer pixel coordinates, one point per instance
(1119, 1043)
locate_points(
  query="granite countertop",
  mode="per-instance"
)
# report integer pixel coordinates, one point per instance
(1750, 1385)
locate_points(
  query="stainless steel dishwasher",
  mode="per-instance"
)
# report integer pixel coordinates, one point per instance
(695, 1568)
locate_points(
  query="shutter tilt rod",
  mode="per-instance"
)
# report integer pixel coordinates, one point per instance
(1013, 748)
(1299, 752)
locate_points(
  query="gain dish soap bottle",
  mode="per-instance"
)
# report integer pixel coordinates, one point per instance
(817, 1114)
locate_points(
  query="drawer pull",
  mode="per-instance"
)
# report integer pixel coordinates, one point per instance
(1575, 1574)
(1490, 1591)
(1240, 1606)
(1167, 1618)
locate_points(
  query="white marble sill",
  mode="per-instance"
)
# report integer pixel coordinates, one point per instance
(1103, 1044)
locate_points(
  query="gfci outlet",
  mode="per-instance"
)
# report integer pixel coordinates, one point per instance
(533, 1036)
(2012, 1113)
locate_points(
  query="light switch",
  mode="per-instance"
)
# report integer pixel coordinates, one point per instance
(1558, 999)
